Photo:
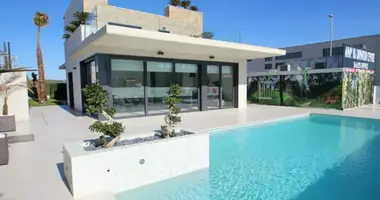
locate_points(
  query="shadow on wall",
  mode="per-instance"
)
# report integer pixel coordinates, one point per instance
(356, 178)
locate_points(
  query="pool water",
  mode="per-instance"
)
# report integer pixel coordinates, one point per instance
(319, 157)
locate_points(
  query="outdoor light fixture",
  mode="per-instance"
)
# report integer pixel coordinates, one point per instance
(212, 57)
(160, 52)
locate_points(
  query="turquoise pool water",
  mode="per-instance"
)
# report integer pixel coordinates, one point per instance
(319, 157)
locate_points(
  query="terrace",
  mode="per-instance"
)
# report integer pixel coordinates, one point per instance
(35, 170)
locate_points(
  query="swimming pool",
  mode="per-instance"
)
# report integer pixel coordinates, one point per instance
(313, 157)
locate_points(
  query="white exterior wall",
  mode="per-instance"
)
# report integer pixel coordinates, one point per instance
(376, 95)
(242, 85)
(316, 50)
(18, 103)
(242, 64)
(119, 169)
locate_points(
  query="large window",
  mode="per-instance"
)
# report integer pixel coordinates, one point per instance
(213, 84)
(188, 78)
(159, 78)
(127, 82)
(268, 66)
(335, 52)
(291, 55)
(227, 88)
(267, 59)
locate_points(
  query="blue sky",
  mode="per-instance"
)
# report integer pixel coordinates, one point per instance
(274, 23)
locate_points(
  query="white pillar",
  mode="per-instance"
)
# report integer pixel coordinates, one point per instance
(242, 85)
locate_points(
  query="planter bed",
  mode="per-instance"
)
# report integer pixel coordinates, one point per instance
(134, 163)
(93, 145)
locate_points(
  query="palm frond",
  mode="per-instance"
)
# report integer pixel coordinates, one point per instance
(41, 19)
(208, 35)
(8, 83)
(174, 2)
(70, 28)
(185, 3)
(66, 36)
(83, 17)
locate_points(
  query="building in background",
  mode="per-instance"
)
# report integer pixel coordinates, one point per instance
(316, 56)
(135, 56)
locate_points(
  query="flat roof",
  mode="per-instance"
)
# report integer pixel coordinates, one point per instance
(128, 38)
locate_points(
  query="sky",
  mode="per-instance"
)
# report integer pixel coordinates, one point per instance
(272, 23)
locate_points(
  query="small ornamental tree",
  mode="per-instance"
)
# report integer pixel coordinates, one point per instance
(96, 99)
(172, 118)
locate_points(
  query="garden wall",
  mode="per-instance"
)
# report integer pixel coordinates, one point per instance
(18, 100)
(338, 88)
(124, 168)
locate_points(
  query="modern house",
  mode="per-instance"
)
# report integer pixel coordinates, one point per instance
(135, 56)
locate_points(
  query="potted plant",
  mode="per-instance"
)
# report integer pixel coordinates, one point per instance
(96, 99)
(172, 118)
(8, 85)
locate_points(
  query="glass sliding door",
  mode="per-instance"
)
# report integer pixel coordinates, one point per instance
(227, 88)
(188, 78)
(127, 84)
(159, 78)
(213, 84)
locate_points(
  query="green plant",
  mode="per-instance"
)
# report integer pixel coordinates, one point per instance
(8, 86)
(40, 20)
(80, 18)
(185, 3)
(208, 35)
(172, 118)
(205, 35)
(96, 99)
(194, 8)
(175, 2)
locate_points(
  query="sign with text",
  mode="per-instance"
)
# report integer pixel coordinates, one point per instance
(358, 58)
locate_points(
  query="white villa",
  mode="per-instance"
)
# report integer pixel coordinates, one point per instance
(137, 55)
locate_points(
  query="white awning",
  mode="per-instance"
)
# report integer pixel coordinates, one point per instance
(128, 38)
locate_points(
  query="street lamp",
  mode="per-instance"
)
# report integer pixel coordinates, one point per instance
(331, 31)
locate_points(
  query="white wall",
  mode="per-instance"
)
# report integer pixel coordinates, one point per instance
(119, 169)
(376, 95)
(242, 87)
(18, 103)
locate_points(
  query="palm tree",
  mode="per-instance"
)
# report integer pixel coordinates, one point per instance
(194, 8)
(185, 3)
(69, 29)
(81, 18)
(175, 2)
(7, 87)
(208, 35)
(40, 20)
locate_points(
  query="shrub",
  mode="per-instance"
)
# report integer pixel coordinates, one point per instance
(172, 118)
(96, 99)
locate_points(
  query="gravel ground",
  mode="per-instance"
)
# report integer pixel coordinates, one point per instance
(93, 143)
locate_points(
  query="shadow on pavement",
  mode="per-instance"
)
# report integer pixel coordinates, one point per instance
(61, 171)
(74, 112)
(356, 178)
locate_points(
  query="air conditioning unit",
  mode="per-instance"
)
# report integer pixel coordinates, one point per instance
(284, 68)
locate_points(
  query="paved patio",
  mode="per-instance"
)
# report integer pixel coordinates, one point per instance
(35, 168)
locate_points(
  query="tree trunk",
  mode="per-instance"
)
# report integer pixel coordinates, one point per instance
(5, 106)
(42, 97)
(112, 142)
(282, 90)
